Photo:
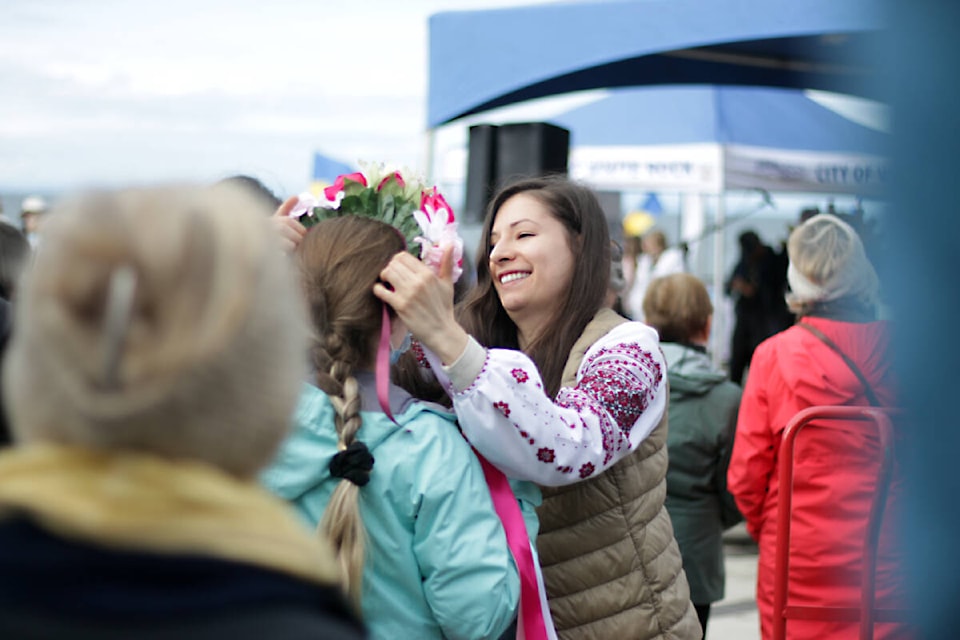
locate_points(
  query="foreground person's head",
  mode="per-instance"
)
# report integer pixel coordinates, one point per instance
(161, 321)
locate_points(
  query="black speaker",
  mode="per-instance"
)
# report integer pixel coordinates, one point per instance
(500, 155)
(529, 150)
(481, 171)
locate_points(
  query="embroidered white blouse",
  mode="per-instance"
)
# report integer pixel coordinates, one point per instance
(619, 397)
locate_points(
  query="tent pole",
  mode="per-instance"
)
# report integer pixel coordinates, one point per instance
(428, 164)
(719, 299)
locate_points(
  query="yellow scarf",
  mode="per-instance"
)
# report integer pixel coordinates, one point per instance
(140, 502)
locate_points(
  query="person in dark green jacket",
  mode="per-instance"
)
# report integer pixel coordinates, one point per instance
(702, 416)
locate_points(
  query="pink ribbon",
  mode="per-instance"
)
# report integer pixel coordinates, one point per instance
(531, 625)
(383, 366)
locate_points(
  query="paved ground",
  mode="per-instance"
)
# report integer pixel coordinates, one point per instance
(735, 617)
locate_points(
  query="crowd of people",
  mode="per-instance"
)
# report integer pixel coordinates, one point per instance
(236, 416)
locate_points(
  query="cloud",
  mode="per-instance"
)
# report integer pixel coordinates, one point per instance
(111, 91)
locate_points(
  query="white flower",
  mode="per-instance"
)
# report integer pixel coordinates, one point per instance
(438, 234)
(376, 171)
(307, 202)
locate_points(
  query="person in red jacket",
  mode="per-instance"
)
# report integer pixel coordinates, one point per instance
(833, 289)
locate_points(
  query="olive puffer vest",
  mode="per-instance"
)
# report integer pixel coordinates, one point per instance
(610, 563)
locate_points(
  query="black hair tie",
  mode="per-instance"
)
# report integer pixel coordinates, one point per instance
(353, 463)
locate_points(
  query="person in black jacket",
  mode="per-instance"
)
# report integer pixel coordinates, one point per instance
(758, 284)
(154, 380)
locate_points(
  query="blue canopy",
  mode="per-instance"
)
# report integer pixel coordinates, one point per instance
(491, 58)
(754, 116)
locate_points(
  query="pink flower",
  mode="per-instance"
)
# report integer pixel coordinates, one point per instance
(545, 454)
(437, 204)
(338, 185)
(394, 175)
(432, 255)
(520, 375)
(305, 205)
(503, 408)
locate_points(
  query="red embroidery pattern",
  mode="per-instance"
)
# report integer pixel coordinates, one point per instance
(520, 375)
(483, 370)
(525, 435)
(624, 379)
(418, 353)
(617, 386)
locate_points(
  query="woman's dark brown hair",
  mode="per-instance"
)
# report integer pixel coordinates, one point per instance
(484, 317)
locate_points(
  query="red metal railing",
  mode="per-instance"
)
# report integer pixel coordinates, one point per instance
(866, 614)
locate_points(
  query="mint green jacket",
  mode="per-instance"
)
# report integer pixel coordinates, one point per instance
(437, 562)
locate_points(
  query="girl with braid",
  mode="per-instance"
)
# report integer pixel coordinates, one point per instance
(387, 478)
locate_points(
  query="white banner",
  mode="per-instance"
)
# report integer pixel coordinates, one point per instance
(808, 171)
(677, 168)
(708, 168)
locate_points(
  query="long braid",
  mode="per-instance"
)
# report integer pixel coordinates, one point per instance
(341, 521)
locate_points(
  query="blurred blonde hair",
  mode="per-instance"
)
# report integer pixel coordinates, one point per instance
(655, 237)
(827, 262)
(677, 306)
(340, 260)
(211, 352)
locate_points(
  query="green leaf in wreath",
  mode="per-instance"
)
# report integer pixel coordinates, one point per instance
(351, 204)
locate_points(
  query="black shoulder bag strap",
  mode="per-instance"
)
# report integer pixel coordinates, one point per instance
(871, 396)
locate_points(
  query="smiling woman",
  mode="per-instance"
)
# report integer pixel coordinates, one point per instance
(562, 392)
(531, 263)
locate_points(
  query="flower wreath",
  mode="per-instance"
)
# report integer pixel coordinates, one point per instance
(419, 213)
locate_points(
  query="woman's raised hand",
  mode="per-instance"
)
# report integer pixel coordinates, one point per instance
(289, 229)
(424, 302)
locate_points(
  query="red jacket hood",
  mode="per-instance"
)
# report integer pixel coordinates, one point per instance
(818, 376)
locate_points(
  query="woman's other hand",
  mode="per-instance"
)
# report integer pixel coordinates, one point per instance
(289, 229)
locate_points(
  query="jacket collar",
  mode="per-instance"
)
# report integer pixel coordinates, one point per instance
(141, 502)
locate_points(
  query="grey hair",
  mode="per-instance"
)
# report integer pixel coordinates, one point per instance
(198, 355)
(827, 262)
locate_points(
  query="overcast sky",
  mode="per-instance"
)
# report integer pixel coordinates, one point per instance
(112, 92)
(115, 92)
